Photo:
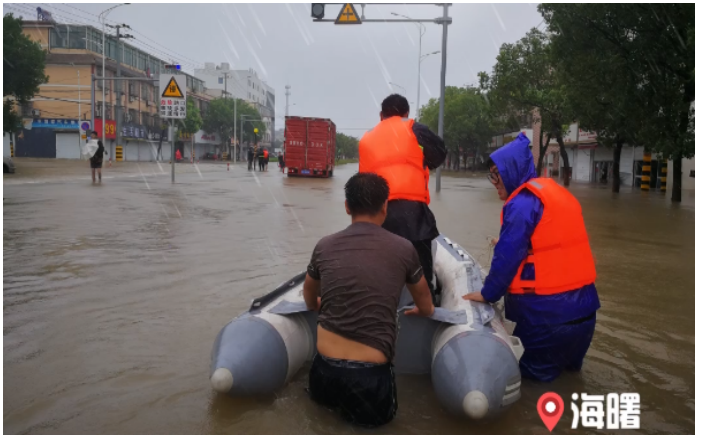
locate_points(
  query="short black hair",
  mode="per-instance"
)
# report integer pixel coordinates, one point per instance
(395, 105)
(490, 163)
(366, 193)
(94, 132)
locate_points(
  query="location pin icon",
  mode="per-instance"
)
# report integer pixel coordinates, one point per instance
(550, 407)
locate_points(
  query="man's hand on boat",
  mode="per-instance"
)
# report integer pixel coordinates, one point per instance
(312, 292)
(475, 296)
(422, 299)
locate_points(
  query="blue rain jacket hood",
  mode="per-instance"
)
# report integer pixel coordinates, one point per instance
(515, 163)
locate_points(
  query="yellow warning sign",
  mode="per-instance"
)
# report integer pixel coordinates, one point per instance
(172, 90)
(348, 15)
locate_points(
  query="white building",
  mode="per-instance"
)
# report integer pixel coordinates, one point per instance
(244, 85)
(593, 162)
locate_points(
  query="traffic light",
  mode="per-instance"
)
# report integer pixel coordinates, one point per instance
(172, 66)
(318, 10)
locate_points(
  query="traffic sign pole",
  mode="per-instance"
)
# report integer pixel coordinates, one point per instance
(173, 106)
(172, 153)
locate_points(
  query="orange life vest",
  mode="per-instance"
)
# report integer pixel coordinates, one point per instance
(265, 154)
(560, 250)
(391, 150)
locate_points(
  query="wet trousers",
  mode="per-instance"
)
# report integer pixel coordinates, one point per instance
(363, 393)
(551, 349)
(426, 259)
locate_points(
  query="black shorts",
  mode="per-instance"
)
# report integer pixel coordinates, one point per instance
(363, 393)
(95, 164)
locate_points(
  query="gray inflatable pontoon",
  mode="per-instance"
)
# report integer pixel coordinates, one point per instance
(466, 346)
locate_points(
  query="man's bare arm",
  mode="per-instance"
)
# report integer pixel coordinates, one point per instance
(311, 291)
(422, 299)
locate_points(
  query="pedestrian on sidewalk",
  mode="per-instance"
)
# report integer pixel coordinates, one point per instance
(265, 159)
(281, 162)
(250, 158)
(95, 150)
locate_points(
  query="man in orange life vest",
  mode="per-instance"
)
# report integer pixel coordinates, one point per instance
(403, 151)
(543, 266)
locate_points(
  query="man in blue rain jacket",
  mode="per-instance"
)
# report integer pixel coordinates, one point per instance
(542, 265)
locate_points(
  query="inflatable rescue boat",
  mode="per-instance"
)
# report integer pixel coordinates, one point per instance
(466, 346)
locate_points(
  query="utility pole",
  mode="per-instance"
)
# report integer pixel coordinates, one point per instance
(236, 147)
(118, 85)
(287, 95)
(226, 76)
(80, 116)
(445, 22)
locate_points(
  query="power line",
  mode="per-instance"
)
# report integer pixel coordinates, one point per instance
(155, 42)
(68, 17)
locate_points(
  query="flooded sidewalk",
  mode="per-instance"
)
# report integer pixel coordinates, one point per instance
(114, 293)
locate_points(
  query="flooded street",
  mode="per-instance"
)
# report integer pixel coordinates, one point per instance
(113, 296)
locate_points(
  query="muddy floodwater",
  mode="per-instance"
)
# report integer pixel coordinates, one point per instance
(113, 296)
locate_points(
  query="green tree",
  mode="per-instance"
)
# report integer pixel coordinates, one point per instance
(346, 146)
(251, 117)
(653, 46)
(23, 70)
(469, 122)
(219, 119)
(525, 78)
(193, 120)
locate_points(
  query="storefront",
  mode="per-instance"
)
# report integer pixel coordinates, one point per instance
(200, 144)
(140, 143)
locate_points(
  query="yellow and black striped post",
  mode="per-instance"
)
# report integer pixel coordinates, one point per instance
(119, 154)
(646, 172)
(663, 173)
(12, 149)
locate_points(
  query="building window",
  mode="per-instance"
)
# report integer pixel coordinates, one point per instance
(145, 119)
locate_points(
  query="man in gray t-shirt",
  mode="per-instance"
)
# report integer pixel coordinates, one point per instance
(354, 280)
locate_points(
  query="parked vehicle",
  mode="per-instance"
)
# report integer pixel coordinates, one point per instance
(310, 146)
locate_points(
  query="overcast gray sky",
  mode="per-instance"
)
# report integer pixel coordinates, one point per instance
(338, 72)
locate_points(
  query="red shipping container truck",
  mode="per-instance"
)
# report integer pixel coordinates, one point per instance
(310, 146)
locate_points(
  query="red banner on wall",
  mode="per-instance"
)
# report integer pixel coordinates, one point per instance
(110, 128)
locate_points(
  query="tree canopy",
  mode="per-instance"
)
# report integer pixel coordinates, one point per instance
(193, 120)
(525, 78)
(346, 146)
(219, 119)
(23, 70)
(469, 122)
(637, 63)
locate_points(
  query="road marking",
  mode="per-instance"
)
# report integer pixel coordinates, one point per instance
(256, 178)
(273, 196)
(148, 187)
(198, 170)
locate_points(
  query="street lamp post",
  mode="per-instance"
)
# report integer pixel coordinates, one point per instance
(102, 17)
(422, 30)
(397, 85)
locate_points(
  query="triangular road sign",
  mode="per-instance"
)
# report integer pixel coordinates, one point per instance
(348, 15)
(172, 90)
